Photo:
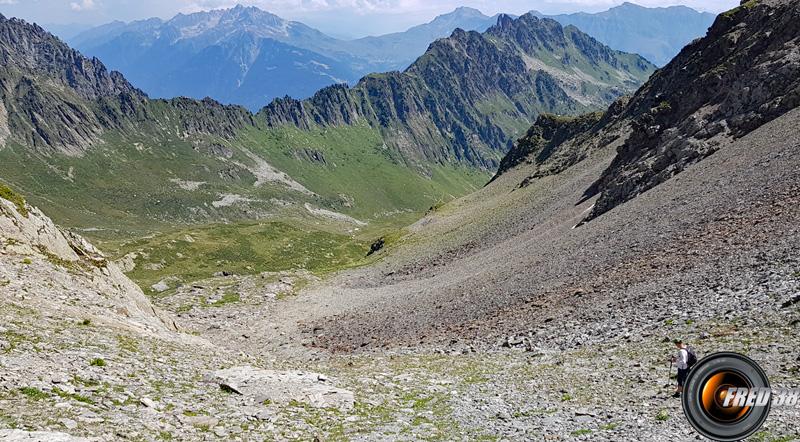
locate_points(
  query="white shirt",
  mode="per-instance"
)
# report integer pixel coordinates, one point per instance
(683, 359)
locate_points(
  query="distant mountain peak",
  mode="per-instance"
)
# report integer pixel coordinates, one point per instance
(249, 12)
(460, 14)
(658, 34)
(629, 6)
(505, 21)
(466, 10)
(525, 21)
(249, 19)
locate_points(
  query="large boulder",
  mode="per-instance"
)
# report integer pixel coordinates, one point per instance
(283, 387)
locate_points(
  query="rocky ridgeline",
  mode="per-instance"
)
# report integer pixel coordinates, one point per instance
(64, 273)
(462, 102)
(53, 98)
(30, 48)
(743, 74)
(47, 90)
(449, 103)
(544, 141)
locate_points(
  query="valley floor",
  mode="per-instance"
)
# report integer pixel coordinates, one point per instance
(494, 319)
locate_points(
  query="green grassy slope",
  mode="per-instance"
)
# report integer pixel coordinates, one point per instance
(360, 176)
(143, 194)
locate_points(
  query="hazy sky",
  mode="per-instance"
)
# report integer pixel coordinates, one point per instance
(341, 17)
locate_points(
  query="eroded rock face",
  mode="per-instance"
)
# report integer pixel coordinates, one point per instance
(282, 387)
(39, 258)
(33, 230)
(743, 74)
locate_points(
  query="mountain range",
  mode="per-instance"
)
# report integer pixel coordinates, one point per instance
(657, 34)
(254, 56)
(676, 202)
(248, 56)
(396, 141)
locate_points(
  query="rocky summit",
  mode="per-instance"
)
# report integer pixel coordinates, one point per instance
(310, 272)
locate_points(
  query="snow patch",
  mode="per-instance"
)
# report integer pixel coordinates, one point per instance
(321, 65)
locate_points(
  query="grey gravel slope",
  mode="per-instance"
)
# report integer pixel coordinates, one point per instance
(706, 226)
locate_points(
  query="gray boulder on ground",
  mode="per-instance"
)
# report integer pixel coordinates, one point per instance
(284, 386)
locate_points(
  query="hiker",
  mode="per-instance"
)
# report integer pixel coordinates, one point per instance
(684, 360)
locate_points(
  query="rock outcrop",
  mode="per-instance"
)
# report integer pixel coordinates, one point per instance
(37, 257)
(743, 74)
(544, 143)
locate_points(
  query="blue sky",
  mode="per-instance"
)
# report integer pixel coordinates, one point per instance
(341, 17)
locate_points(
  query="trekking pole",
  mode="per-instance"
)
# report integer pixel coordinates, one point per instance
(669, 373)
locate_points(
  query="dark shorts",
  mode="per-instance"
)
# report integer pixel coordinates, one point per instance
(682, 374)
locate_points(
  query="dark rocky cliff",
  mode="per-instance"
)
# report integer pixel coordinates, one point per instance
(744, 73)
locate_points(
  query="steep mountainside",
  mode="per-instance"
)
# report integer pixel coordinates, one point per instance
(470, 94)
(56, 113)
(741, 76)
(658, 34)
(54, 98)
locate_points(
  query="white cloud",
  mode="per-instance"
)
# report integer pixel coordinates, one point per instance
(83, 5)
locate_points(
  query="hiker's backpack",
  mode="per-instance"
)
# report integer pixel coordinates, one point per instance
(691, 357)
